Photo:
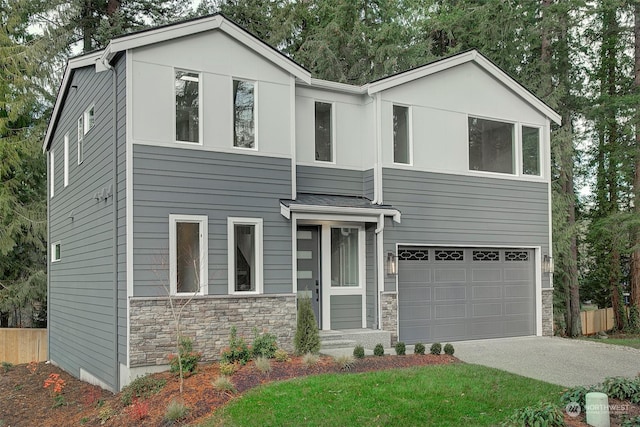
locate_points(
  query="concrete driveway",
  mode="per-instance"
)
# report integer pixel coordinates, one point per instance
(555, 360)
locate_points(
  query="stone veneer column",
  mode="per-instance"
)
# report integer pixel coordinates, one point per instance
(207, 320)
(547, 312)
(389, 311)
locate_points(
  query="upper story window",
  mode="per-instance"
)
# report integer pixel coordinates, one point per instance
(55, 252)
(245, 239)
(188, 265)
(89, 118)
(80, 140)
(187, 86)
(244, 123)
(324, 132)
(401, 135)
(66, 159)
(530, 150)
(491, 146)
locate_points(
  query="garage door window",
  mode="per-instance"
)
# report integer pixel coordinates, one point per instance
(486, 255)
(516, 256)
(450, 255)
(344, 257)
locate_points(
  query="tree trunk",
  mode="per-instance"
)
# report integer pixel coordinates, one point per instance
(87, 26)
(635, 256)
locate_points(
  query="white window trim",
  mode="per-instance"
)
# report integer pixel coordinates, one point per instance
(66, 160)
(52, 173)
(53, 251)
(231, 253)
(203, 222)
(541, 162)
(516, 143)
(409, 134)
(86, 127)
(200, 107)
(333, 133)
(255, 115)
(80, 140)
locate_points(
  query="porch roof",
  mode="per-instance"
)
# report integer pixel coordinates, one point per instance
(335, 204)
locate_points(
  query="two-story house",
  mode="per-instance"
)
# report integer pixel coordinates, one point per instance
(193, 162)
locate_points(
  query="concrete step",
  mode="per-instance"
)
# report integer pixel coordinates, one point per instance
(349, 338)
(337, 343)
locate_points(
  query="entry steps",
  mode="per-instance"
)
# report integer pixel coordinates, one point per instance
(349, 338)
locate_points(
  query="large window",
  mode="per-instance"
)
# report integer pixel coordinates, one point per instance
(345, 264)
(188, 253)
(324, 132)
(491, 146)
(89, 118)
(401, 142)
(187, 106)
(80, 140)
(244, 124)
(245, 254)
(530, 150)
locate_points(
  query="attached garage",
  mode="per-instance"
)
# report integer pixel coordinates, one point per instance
(452, 294)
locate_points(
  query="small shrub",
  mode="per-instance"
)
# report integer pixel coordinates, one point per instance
(622, 388)
(188, 358)
(141, 387)
(378, 350)
(175, 411)
(224, 383)
(227, 368)
(307, 339)
(401, 348)
(92, 395)
(577, 395)
(419, 348)
(630, 421)
(139, 410)
(543, 414)
(358, 352)
(6, 366)
(106, 413)
(281, 355)
(58, 401)
(310, 359)
(238, 351)
(448, 349)
(264, 344)
(436, 348)
(345, 361)
(263, 364)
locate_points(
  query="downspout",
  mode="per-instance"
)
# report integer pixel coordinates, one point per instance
(379, 266)
(114, 199)
(377, 164)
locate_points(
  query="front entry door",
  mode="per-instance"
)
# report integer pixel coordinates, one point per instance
(308, 257)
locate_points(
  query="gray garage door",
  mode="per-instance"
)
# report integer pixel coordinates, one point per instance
(449, 294)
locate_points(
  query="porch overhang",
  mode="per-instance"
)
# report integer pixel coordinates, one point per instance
(345, 206)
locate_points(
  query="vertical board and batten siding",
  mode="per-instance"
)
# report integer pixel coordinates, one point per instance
(219, 185)
(451, 210)
(335, 181)
(81, 295)
(121, 133)
(346, 312)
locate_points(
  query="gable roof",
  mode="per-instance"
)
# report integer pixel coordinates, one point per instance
(101, 59)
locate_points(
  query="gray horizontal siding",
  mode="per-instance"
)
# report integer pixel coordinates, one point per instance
(465, 210)
(219, 185)
(121, 131)
(81, 294)
(346, 312)
(341, 182)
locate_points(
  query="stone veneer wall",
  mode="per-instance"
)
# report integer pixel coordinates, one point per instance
(207, 320)
(389, 311)
(547, 312)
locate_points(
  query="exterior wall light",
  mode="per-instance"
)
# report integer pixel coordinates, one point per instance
(391, 264)
(547, 265)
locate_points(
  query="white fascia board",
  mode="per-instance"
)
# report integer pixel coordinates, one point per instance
(338, 87)
(374, 213)
(460, 59)
(72, 64)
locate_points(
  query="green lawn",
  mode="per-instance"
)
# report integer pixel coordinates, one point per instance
(628, 341)
(443, 395)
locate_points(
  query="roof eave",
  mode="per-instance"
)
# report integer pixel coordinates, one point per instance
(286, 211)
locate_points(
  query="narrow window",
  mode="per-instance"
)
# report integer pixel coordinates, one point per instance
(324, 137)
(66, 160)
(491, 146)
(80, 141)
(245, 255)
(530, 150)
(55, 252)
(89, 119)
(244, 130)
(188, 264)
(187, 106)
(345, 263)
(401, 143)
(52, 173)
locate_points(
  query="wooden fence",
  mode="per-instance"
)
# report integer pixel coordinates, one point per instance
(595, 321)
(22, 345)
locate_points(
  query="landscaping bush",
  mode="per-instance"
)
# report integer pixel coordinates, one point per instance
(358, 352)
(238, 351)
(419, 348)
(7, 366)
(188, 358)
(378, 350)
(307, 339)
(264, 344)
(345, 361)
(543, 414)
(141, 387)
(263, 364)
(281, 355)
(310, 359)
(223, 383)
(227, 368)
(175, 411)
(578, 395)
(401, 348)
(448, 349)
(436, 348)
(622, 388)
